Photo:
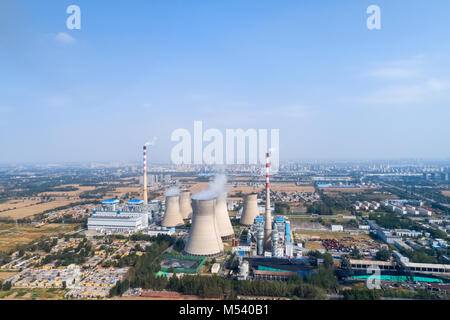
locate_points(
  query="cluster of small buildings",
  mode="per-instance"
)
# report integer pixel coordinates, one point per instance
(97, 283)
(294, 196)
(402, 207)
(391, 236)
(47, 277)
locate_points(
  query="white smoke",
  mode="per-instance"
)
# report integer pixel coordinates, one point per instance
(216, 187)
(173, 191)
(151, 143)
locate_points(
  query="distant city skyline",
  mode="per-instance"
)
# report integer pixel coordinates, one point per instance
(334, 89)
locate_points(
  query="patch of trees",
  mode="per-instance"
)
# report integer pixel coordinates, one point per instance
(282, 208)
(319, 208)
(361, 294)
(179, 245)
(376, 294)
(383, 255)
(424, 255)
(392, 221)
(65, 189)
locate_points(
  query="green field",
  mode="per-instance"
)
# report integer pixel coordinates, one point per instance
(33, 294)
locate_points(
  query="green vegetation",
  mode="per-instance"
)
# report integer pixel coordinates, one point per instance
(383, 255)
(282, 208)
(424, 255)
(376, 294)
(361, 294)
(393, 221)
(319, 208)
(356, 254)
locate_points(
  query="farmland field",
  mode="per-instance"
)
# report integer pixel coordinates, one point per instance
(33, 294)
(6, 275)
(9, 237)
(9, 205)
(31, 210)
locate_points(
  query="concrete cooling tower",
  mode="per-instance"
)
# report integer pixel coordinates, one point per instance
(172, 216)
(204, 237)
(223, 219)
(251, 210)
(185, 205)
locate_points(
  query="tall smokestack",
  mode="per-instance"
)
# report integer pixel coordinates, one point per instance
(145, 176)
(268, 216)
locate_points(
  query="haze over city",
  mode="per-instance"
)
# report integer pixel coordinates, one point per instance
(335, 89)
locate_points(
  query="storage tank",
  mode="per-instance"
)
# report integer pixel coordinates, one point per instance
(251, 210)
(204, 237)
(185, 204)
(244, 269)
(260, 241)
(172, 216)
(223, 219)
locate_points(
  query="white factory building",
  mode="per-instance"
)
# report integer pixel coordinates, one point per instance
(110, 217)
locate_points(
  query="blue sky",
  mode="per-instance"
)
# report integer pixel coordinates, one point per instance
(139, 69)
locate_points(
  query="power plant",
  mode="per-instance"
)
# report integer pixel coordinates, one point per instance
(251, 210)
(172, 215)
(185, 205)
(204, 236)
(223, 219)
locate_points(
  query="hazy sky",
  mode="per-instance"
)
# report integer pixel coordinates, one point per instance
(139, 69)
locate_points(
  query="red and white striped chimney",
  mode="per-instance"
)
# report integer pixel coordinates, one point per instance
(145, 176)
(268, 215)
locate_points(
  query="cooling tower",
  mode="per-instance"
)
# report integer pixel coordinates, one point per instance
(185, 204)
(204, 238)
(172, 217)
(251, 210)
(223, 219)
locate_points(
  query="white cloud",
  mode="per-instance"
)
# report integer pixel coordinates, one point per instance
(65, 38)
(393, 72)
(399, 68)
(407, 94)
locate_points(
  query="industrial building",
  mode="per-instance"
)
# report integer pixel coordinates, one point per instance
(111, 217)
